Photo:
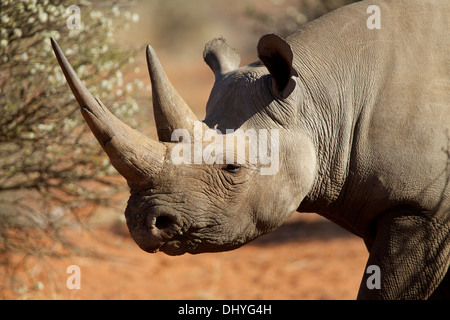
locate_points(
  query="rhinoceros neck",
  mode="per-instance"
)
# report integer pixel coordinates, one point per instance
(338, 103)
(362, 86)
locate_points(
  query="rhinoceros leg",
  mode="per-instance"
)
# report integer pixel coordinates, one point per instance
(412, 252)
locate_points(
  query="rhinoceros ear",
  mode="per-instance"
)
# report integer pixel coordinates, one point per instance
(277, 56)
(220, 57)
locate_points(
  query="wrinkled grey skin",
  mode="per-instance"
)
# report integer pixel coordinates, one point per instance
(364, 121)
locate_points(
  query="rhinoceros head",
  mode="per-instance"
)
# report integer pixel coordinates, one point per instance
(190, 191)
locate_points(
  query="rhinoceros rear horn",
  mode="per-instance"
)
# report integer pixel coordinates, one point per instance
(170, 110)
(220, 57)
(136, 157)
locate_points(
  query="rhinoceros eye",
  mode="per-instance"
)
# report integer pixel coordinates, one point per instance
(233, 168)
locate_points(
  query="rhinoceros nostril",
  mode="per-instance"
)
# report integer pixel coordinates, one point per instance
(163, 222)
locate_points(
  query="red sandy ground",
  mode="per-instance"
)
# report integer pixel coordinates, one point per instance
(307, 258)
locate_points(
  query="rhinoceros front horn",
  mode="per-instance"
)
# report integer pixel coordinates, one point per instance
(170, 110)
(136, 157)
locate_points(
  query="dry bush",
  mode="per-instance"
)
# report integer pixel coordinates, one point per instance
(51, 168)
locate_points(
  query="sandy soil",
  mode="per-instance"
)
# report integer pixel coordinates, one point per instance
(307, 258)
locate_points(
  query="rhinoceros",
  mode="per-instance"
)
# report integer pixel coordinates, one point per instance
(363, 121)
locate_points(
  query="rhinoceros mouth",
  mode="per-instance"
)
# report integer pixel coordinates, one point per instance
(173, 247)
(146, 242)
(169, 242)
(182, 244)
